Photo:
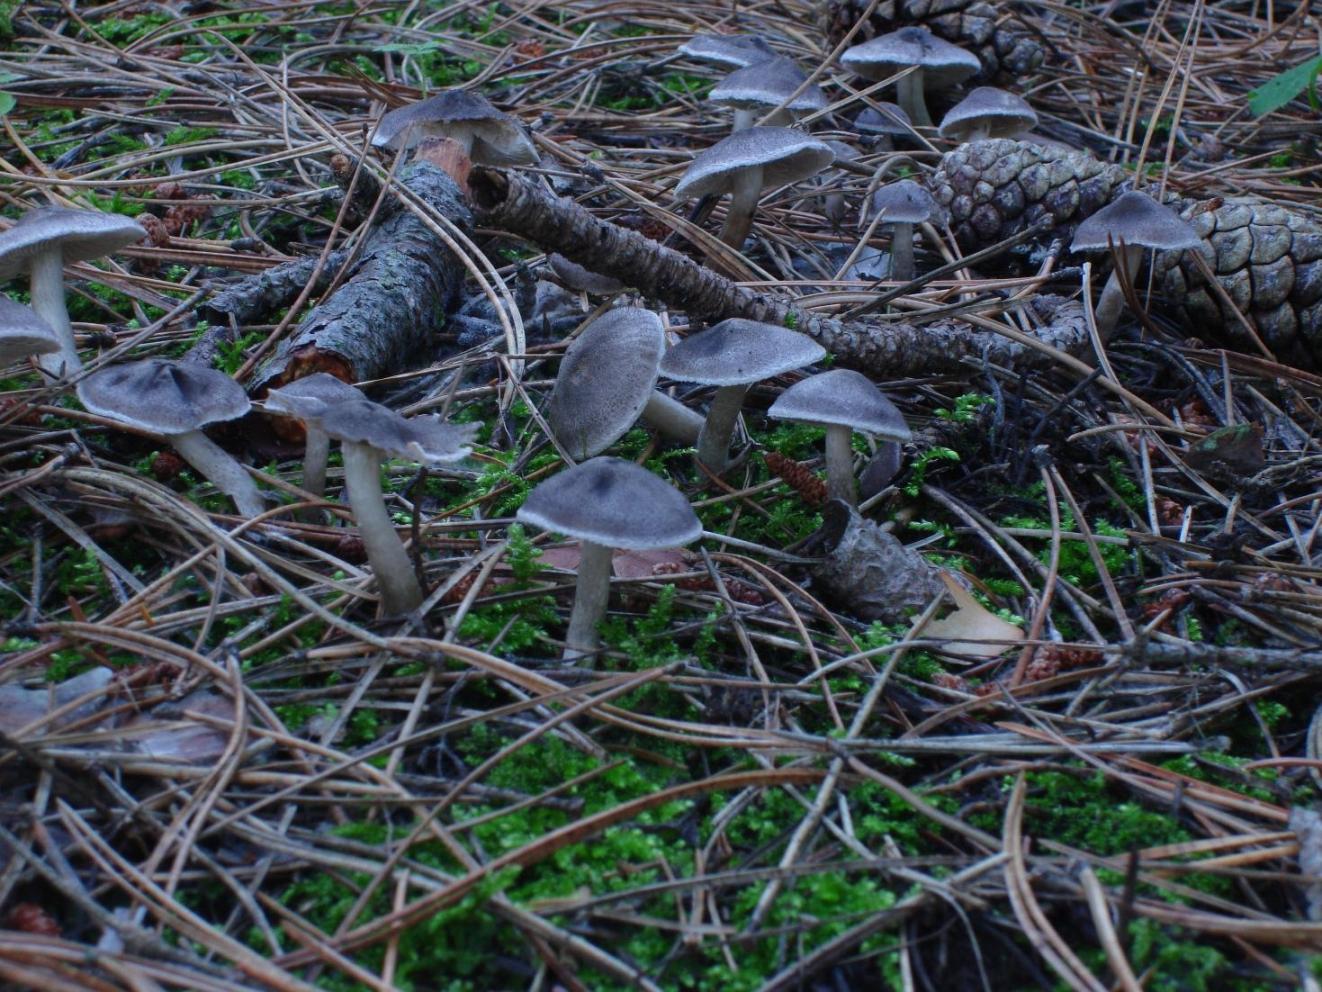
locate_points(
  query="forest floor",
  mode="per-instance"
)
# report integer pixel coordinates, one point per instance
(261, 783)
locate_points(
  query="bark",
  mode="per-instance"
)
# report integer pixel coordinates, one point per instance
(521, 206)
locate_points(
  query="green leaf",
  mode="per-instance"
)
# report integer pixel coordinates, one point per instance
(7, 103)
(1280, 90)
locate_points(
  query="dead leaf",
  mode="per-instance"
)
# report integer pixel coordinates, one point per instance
(626, 564)
(972, 626)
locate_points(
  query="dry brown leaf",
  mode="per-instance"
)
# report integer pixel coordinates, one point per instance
(972, 628)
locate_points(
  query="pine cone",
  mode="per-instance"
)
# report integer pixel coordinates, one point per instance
(1004, 46)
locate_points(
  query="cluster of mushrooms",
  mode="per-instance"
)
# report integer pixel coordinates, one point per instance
(608, 378)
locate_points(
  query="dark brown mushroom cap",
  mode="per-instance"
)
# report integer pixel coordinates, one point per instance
(768, 84)
(738, 351)
(842, 396)
(1137, 220)
(429, 439)
(497, 138)
(1005, 115)
(79, 234)
(163, 397)
(308, 396)
(23, 333)
(605, 380)
(886, 118)
(727, 49)
(615, 503)
(943, 64)
(904, 202)
(783, 154)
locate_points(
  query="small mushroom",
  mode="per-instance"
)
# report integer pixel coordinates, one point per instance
(1132, 222)
(886, 121)
(988, 113)
(746, 163)
(607, 503)
(765, 87)
(734, 50)
(369, 432)
(573, 276)
(177, 401)
(903, 204)
(842, 401)
(305, 399)
(732, 355)
(937, 65)
(23, 333)
(45, 240)
(487, 136)
(607, 381)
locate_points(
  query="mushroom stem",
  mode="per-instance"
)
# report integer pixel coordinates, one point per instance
(746, 189)
(1112, 301)
(909, 95)
(717, 429)
(743, 119)
(47, 289)
(217, 467)
(400, 591)
(591, 595)
(316, 453)
(840, 464)
(671, 418)
(902, 267)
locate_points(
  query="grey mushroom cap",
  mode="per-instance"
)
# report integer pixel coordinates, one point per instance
(1003, 114)
(783, 154)
(429, 439)
(766, 85)
(79, 234)
(23, 333)
(737, 352)
(943, 64)
(735, 50)
(904, 202)
(845, 397)
(886, 118)
(1137, 220)
(605, 380)
(575, 277)
(615, 503)
(311, 394)
(496, 137)
(163, 397)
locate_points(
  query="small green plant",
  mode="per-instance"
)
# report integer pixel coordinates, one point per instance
(918, 470)
(966, 407)
(1276, 92)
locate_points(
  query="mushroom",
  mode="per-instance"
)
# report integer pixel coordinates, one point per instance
(842, 401)
(732, 355)
(903, 204)
(988, 113)
(734, 50)
(937, 65)
(606, 503)
(42, 242)
(886, 121)
(573, 276)
(767, 87)
(368, 432)
(747, 162)
(23, 333)
(304, 399)
(177, 401)
(487, 136)
(1132, 222)
(607, 381)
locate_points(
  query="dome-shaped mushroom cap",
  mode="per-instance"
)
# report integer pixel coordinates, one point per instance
(497, 138)
(738, 351)
(904, 202)
(736, 50)
(768, 84)
(429, 439)
(887, 118)
(311, 394)
(605, 380)
(574, 276)
(1004, 114)
(943, 64)
(79, 234)
(163, 397)
(1137, 220)
(783, 154)
(23, 333)
(842, 396)
(613, 502)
